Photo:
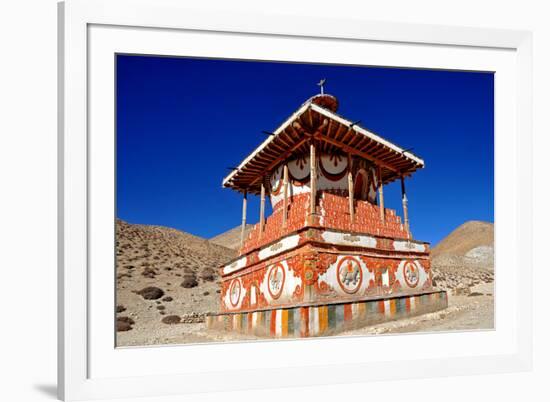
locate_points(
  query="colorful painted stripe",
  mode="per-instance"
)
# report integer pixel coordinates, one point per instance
(318, 320)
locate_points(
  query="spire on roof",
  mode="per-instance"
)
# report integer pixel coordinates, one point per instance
(324, 100)
(322, 85)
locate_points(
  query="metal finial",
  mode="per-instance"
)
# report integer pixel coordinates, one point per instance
(322, 85)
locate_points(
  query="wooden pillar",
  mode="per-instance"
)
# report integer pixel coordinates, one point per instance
(243, 222)
(350, 191)
(405, 207)
(312, 178)
(381, 196)
(262, 208)
(285, 199)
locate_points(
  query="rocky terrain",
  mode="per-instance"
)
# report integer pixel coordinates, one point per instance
(164, 277)
(167, 280)
(465, 258)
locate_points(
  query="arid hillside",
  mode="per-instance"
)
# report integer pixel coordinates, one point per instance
(166, 278)
(465, 257)
(465, 238)
(163, 274)
(232, 238)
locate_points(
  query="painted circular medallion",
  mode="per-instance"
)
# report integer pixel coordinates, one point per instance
(411, 274)
(235, 292)
(276, 280)
(349, 274)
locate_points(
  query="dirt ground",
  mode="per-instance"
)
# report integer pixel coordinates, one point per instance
(473, 312)
(166, 285)
(164, 274)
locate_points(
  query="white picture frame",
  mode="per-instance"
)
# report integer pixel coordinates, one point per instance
(89, 31)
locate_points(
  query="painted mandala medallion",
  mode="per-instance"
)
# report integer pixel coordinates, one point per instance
(276, 280)
(410, 272)
(235, 292)
(349, 274)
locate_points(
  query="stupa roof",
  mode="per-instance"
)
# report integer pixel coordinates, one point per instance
(317, 119)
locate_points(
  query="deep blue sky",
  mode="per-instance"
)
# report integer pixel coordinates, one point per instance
(181, 122)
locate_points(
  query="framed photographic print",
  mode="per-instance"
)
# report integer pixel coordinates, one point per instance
(241, 194)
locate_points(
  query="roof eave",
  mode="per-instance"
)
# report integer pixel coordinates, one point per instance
(419, 162)
(369, 134)
(291, 118)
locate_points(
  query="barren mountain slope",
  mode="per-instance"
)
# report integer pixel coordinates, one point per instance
(232, 238)
(163, 272)
(167, 277)
(465, 257)
(465, 238)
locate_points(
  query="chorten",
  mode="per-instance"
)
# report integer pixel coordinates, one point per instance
(331, 256)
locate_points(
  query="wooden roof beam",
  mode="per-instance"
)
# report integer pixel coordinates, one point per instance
(290, 138)
(274, 146)
(348, 132)
(281, 158)
(371, 146)
(327, 113)
(395, 158)
(329, 127)
(353, 151)
(289, 152)
(310, 115)
(281, 141)
(360, 139)
(336, 134)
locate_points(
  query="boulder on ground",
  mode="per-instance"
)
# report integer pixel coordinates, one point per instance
(151, 293)
(461, 290)
(124, 324)
(171, 319)
(208, 275)
(189, 281)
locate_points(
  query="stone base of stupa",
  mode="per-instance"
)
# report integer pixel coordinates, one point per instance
(311, 320)
(324, 273)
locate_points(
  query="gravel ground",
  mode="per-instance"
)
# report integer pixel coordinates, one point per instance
(164, 274)
(473, 312)
(166, 283)
(464, 313)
